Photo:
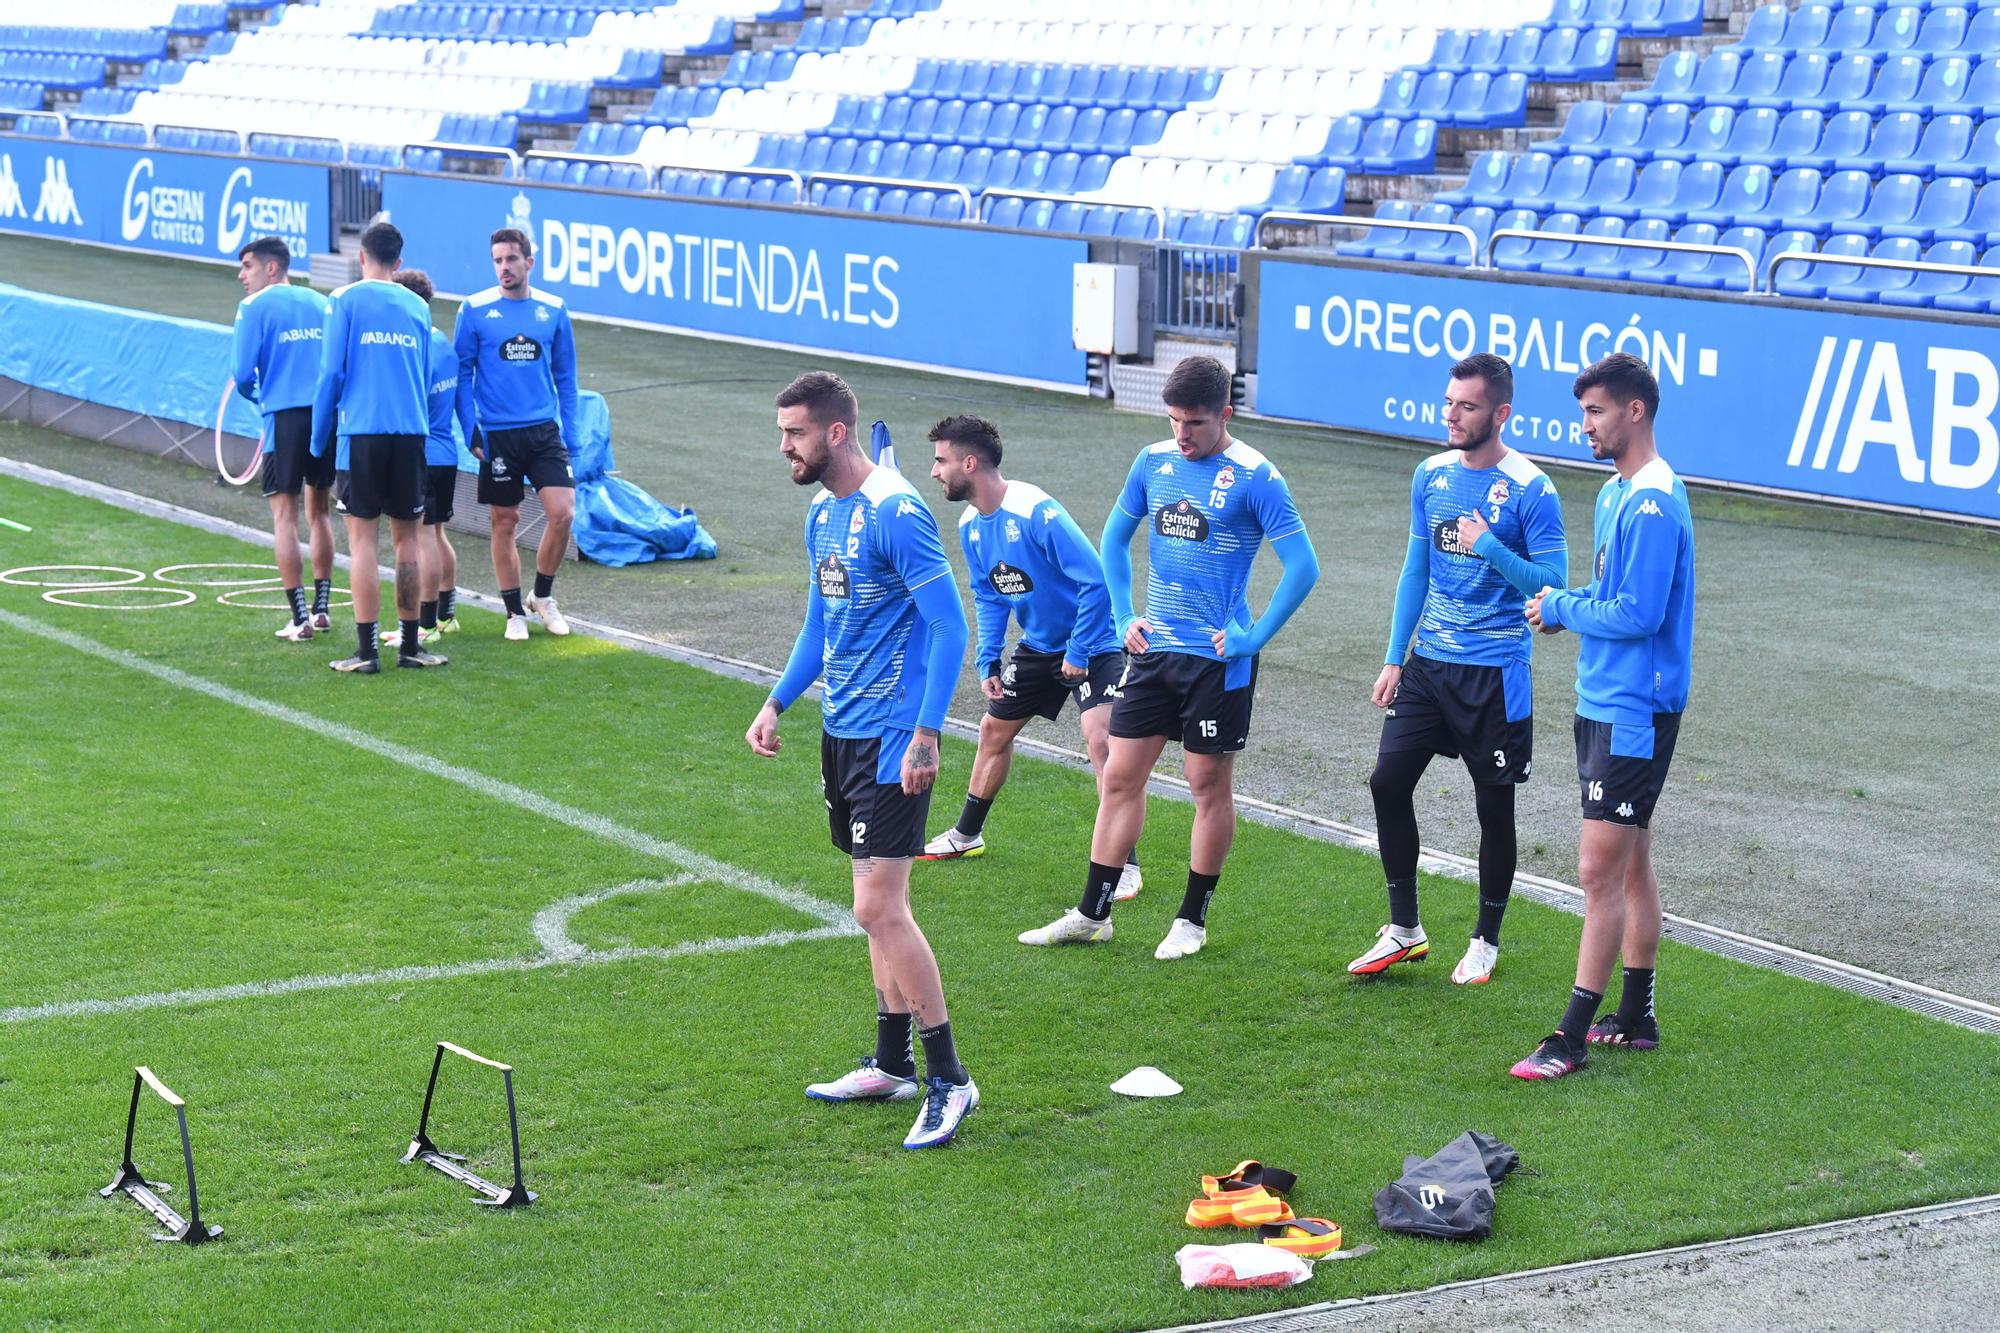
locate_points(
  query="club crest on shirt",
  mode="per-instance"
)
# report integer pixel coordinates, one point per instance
(858, 522)
(1013, 531)
(1225, 478)
(1496, 494)
(1181, 519)
(832, 578)
(1009, 581)
(541, 314)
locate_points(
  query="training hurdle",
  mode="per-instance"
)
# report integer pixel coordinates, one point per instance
(129, 1180)
(423, 1150)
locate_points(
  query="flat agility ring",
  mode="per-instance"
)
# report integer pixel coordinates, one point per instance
(64, 596)
(229, 599)
(9, 576)
(160, 575)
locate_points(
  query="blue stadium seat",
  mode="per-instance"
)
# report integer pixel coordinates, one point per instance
(1666, 130)
(1756, 76)
(1894, 141)
(1754, 131)
(1945, 206)
(1584, 127)
(1766, 28)
(1581, 258)
(1547, 248)
(1843, 198)
(1374, 239)
(1343, 142)
(1943, 89)
(1094, 172)
(1948, 147)
(1893, 202)
(1846, 138)
(1821, 280)
(1981, 228)
(1611, 184)
(1116, 136)
(1100, 220)
(1943, 31)
(1745, 196)
(1709, 272)
(1326, 192)
(1485, 182)
(1979, 295)
(1847, 85)
(1804, 81)
(1527, 180)
(1707, 132)
(1564, 185)
(1068, 218)
(1798, 134)
(1653, 190)
(1428, 247)
(1924, 289)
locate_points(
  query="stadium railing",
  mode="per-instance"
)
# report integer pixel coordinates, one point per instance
(1199, 291)
(966, 214)
(1327, 220)
(1625, 242)
(1158, 211)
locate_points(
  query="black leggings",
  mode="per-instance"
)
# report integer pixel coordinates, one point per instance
(1394, 786)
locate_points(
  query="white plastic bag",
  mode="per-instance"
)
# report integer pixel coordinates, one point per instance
(1240, 1266)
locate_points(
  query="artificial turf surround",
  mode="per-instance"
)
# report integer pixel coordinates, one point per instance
(156, 839)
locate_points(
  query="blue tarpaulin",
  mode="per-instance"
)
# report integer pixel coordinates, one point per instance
(617, 523)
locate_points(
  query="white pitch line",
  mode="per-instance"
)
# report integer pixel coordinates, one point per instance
(246, 990)
(696, 863)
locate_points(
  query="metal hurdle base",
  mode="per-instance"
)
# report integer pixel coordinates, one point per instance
(132, 1182)
(517, 1195)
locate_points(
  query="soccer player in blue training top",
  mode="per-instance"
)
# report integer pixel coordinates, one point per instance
(276, 359)
(1486, 533)
(437, 563)
(1028, 560)
(1636, 621)
(1209, 503)
(517, 390)
(374, 384)
(885, 629)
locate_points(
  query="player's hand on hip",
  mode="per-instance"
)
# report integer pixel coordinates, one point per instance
(763, 733)
(1135, 636)
(991, 688)
(1072, 672)
(920, 762)
(1471, 527)
(1386, 685)
(1232, 641)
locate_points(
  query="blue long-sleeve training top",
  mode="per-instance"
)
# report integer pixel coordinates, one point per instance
(1636, 616)
(275, 351)
(375, 366)
(1030, 560)
(441, 445)
(884, 626)
(516, 363)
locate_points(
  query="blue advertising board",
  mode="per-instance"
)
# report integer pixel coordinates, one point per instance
(197, 205)
(954, 296)
(1826, 401)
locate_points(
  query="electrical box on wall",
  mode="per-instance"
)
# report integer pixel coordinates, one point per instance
(1104, 309)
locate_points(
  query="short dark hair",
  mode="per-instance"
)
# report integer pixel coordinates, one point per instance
(1197, 382)
(513, 236)
(383, 243)
(975, 435)
(1625, 377)
(271, 248)
(417, 281)
(1499, 376)
(825, 397)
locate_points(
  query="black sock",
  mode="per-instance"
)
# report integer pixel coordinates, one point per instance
(512, 598)
(427, 614)
(892, 1045)
(1097, 891)
(973, 817)
(940, 1055)
(297, 597)
(364, 633)
(544, 584)
(1194, 903)
(447, 602)
(411, 643)
(322, 595)
(1576, 1019)
(1498, 856)
(1403, 903)
(1393, 784)
(1635, 1005)
(1132, 857)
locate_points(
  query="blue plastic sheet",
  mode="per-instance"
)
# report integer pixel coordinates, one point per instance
(617, 523)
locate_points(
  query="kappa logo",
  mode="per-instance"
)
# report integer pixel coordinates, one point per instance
(1432, 1196)
(972, 534)
(12, 205)
(1166, 470)
(906, 508)
(1049, 514)
(1650, 508)
(1443, 483)
(1013, 531)
(493, 312)
(821, 520)
(1625, 810)
(56, 204)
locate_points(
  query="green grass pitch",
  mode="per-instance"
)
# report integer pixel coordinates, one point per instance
(187, 805)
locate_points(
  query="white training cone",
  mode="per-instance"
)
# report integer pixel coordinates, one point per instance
(1146, 1081)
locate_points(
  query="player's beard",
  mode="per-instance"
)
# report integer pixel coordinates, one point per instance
(808, 471)
(1472, 445)
(956, 489)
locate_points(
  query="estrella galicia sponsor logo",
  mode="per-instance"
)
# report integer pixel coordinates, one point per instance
(1009, 581)
(1445, 537)
(383, 338)
(56, 205)
(520, 350)
(833, 578)
(1181, 520)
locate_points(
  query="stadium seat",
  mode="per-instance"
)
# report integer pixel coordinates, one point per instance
(1547, 248)
(1744, 198)
(1981, 228)
(1583, 258)
(1892, 202)
(1706, 133)
(1843, 197)
(1924, 289)
(1820, 280)
(1666, 129)
(1654, 189)
(1946, 206)
(1979, 296)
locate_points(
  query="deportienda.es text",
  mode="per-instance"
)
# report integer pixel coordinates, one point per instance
(719, 271)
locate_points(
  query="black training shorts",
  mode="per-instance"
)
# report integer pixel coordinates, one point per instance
(1483, 714)
(1033, 685)
(866, 810)
(1621, 769)
(440, 490)
(1202, 702)
(385, 476)
(290, 464)
(531, 454)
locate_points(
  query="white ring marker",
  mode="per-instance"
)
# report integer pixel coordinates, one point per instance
(229, 599)
(131, 576)
(160, 575)
(256, 459)
(67, 597)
